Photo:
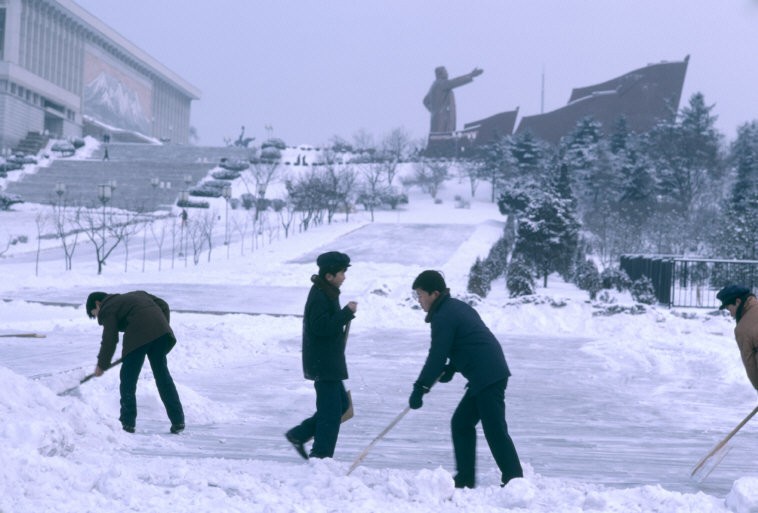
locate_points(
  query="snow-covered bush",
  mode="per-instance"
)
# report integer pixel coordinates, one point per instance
(248, 200)
(193, 204)
(274, 142)
(587, 277)
(615, 278)
(479, 279)
(225, 174)
(6, 200)
(520, 280)
(642, 291)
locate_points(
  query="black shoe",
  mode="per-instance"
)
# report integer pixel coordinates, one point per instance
(298, 445)
(505, 480)
(177, 428)
(127, 428)
(464, 482)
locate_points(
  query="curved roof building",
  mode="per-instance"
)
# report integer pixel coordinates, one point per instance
(66, 73)
(643, 96)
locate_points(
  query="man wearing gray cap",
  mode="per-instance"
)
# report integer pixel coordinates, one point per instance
(324, 362)
(743, 307)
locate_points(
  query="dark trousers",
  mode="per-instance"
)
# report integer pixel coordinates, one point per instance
(130, 370)
(489, 407)
(324, 425)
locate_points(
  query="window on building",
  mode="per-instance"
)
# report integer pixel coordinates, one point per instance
(2, 33)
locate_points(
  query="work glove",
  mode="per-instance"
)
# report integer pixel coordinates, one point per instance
(415, 401)
(447, 373)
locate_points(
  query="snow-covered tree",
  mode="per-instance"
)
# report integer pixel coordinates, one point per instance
(740, 239)
(686, 156)
(548, 233)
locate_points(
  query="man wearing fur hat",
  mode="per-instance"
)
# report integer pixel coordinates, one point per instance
(743, 307)
(324, 341)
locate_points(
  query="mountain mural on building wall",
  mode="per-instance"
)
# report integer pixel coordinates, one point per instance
(109, 100)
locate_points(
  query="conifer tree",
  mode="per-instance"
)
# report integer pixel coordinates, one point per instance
(740, 239)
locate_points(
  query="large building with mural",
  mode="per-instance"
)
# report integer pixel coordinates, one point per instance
(65, 73)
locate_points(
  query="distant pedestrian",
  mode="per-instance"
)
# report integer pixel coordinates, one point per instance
(323, 357)
(144, 320)
(742, 305)
(461, 342)
(105, 155)
(184, 216)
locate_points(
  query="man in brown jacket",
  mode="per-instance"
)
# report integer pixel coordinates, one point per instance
(743, 307)
(144, 320)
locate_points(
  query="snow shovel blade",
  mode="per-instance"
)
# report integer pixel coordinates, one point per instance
(713, 455)
(73, 389)
(702, 473)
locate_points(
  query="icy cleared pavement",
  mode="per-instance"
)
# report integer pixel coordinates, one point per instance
(568, 416)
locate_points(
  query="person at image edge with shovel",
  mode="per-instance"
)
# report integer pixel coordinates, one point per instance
(742, 305)
(144, 320)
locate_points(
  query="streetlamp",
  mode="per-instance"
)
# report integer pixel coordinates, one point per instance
(227, 193)
(183, 200)
(155, 182)
(60, 190)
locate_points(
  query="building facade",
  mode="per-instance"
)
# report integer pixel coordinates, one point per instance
(66, 73)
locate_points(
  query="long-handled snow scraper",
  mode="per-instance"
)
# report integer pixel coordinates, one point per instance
(386, 430)
(710, 461)
(86, 378)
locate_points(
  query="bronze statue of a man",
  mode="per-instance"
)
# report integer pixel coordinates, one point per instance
(440, 100)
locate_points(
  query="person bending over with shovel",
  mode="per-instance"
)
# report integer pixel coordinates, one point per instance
(461, 342)
(324, 340)
(144, 319)
(742, 305)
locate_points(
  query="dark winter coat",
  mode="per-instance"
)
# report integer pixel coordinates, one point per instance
(460, 335)
(324, 333)
(142, 318)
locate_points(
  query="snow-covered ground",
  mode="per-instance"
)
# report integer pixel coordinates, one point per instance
(608, 412)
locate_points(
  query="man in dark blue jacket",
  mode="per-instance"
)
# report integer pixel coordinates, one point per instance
(324, 356)
(461, 342)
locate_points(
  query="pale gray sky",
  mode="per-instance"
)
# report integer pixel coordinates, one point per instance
(315, 68)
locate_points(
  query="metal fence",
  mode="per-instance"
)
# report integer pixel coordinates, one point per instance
(690, 282)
